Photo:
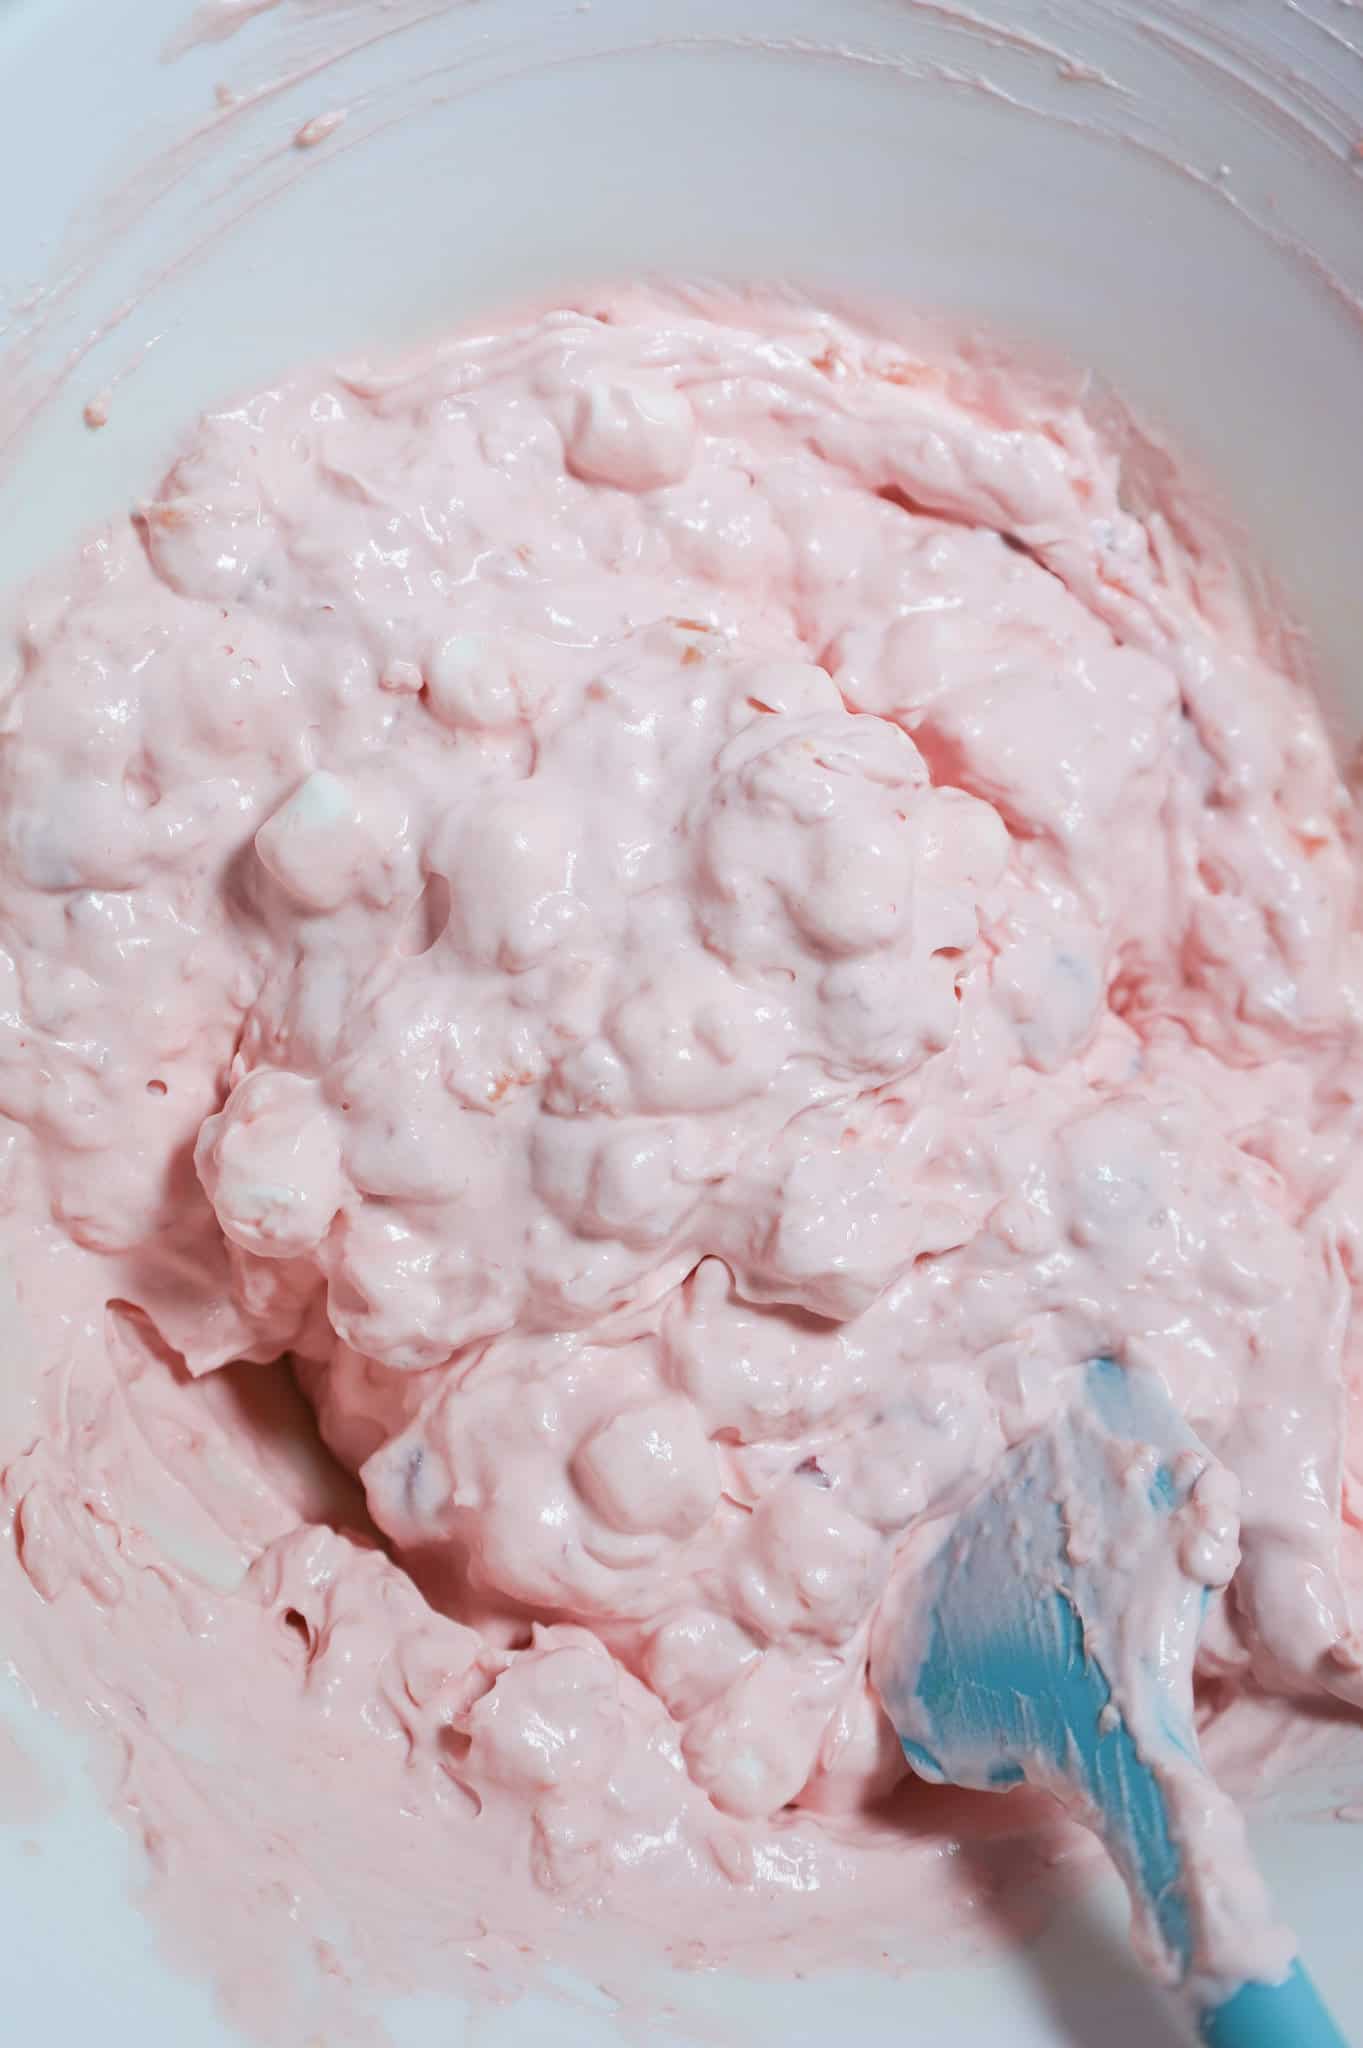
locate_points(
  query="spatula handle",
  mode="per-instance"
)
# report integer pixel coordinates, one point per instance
(1286, 2015)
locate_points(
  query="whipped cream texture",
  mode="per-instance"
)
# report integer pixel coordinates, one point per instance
(677, 916)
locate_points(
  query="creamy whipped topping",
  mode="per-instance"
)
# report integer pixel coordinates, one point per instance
(676, 916)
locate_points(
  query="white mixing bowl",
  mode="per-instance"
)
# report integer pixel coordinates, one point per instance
(1171, 194)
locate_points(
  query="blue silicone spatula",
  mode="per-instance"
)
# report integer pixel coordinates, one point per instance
(1050, 1639)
